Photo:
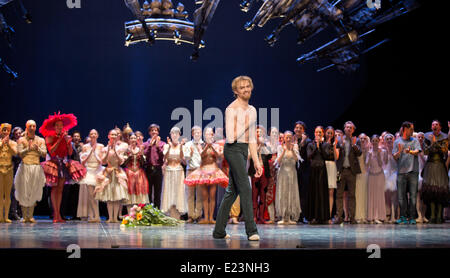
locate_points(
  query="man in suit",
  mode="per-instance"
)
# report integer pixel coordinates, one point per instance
(348, 167)
(303, 168)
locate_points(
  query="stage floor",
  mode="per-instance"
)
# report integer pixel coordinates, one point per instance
(46, 235)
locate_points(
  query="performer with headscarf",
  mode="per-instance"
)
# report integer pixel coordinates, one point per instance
(59, 169)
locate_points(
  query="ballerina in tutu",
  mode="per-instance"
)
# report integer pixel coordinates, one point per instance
(112, 185)
(59, 169)
(208, 176)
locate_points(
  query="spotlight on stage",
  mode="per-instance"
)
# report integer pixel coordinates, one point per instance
(158, 20)
(352, 20)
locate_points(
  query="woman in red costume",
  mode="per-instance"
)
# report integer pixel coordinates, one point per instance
(59, 169)
(137, 180)
(208, 176)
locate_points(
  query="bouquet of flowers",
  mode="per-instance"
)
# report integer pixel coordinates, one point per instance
(147, 215)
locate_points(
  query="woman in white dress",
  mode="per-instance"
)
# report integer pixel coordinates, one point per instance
(390, 173)
(112, 185)
(420, 205)
(376, 183)
(331, 138)
(90, 158)
(174, 200)
(361, 182)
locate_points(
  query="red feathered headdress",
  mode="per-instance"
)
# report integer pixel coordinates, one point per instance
(48, 127)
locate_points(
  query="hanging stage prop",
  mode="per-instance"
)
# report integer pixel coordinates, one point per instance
(159, 20)
(354, 22)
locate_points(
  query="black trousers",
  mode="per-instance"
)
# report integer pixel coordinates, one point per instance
(238, 184)
(303, 186)
(69, 201)
(155, 177)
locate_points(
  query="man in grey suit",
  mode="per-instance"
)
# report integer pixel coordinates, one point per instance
(348, 167)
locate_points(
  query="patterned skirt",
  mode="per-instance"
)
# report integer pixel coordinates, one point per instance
(57, 168)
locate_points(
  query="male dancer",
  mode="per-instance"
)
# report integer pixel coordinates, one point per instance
(240, 127)
(30, 177)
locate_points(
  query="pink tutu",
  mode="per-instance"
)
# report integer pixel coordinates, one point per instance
(209, 175)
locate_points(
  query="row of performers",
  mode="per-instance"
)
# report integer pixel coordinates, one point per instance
(146, 162)
(110, 183)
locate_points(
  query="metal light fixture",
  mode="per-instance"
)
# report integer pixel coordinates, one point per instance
(353, 21)
(159, 20)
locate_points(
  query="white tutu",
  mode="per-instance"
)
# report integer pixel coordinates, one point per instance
(91, 174)
(115, 187)
(29, 182)
(331, 173)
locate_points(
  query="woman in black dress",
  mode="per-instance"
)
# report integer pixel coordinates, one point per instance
(318, 211)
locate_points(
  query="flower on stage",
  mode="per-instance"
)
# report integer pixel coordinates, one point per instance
(147, 215)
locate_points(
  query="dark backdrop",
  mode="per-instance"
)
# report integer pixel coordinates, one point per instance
(75, 61)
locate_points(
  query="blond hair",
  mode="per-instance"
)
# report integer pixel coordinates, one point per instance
(239, 79)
